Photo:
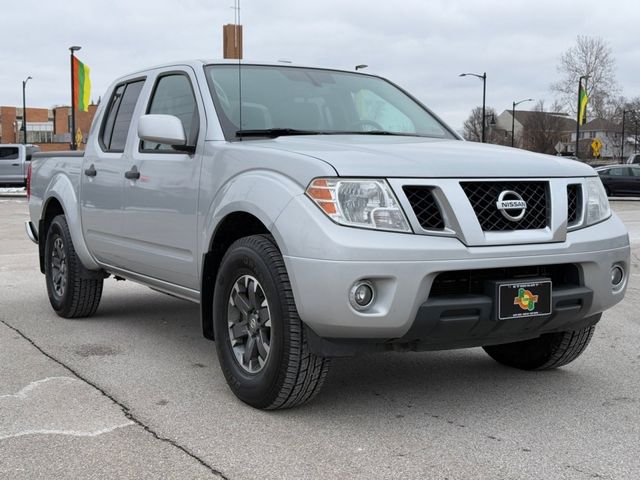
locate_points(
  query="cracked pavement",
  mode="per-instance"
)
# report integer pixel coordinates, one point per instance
(136, 392)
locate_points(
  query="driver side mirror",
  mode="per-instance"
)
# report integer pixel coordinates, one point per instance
(163, 129)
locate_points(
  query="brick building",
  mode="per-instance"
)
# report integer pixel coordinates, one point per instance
(46, 127)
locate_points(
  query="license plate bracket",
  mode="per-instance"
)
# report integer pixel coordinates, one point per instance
(523, 298)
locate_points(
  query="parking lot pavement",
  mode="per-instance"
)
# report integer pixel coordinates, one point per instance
(135, 392)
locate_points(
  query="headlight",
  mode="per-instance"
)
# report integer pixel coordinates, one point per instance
(597, 203)
(360, 203)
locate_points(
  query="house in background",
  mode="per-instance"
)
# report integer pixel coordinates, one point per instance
(534, 130)
(555, 133)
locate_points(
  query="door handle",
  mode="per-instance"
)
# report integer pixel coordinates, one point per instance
(132, 174)
(15, 164)
(91, 171)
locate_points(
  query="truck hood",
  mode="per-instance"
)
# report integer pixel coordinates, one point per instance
(386, 156)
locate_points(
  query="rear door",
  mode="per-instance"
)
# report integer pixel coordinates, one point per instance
(635, 184)
(618, 180)
(161, 206)
(104, 164)
(11, 169)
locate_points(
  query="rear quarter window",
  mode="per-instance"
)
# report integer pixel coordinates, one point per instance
(117, 120)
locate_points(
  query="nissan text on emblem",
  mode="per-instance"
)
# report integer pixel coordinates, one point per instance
(511, 205)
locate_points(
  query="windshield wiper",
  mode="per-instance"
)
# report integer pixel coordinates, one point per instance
(379, 132)
(283, 132)
(275, 132)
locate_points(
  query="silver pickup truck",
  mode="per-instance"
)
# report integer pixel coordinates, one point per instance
(14, 163)
(316, 213)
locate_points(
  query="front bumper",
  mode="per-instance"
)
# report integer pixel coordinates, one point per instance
(403, 268)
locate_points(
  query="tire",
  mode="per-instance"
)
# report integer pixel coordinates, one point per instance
(71, 293)
(551, 350)
(289, 374)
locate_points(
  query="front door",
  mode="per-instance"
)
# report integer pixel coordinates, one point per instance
(102, 175)
(160, 206)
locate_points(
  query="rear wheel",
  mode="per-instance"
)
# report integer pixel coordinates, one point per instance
(551, 350)
(260, 340)
(71, 294)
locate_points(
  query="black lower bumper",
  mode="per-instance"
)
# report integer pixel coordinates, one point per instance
(461, 321)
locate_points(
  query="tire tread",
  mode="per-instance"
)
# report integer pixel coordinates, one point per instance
(85, 293)
(301, 373)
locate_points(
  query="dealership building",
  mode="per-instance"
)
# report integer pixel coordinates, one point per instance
(49, 128)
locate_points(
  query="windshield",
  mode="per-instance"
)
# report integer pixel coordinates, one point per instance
(315, 101)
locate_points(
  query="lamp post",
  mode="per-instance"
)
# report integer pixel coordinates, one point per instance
(513, 116)
(635, 138)
(74, 146)
(624, 114)
(482, 77)
(24, 109)
(578, 112)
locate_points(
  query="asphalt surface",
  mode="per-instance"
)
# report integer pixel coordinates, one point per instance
(136, 392)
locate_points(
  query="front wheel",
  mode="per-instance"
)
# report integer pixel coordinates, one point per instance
(551, 350)
(71, 294)
(260, 340)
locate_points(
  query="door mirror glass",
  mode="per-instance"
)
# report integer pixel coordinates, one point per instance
(161, 130)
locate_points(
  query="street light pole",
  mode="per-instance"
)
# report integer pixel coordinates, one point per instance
(74, 146)
(578, 112)
(624, 113)
(24, 110)
(513, 117)
(482, 77)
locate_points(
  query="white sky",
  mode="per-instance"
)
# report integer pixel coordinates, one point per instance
(420, 44)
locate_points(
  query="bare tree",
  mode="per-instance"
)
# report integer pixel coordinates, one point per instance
(543, 130)
(631, 109)
(473, 125)
(590, 56)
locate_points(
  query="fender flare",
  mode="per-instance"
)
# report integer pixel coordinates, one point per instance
(63, 191)
(261, 193)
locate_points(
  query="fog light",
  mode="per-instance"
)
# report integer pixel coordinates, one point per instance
(617, 275)
(361, 295)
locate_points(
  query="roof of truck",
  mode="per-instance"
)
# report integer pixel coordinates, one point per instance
(199, 62)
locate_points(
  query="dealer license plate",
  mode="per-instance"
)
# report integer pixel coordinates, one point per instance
(524, 299)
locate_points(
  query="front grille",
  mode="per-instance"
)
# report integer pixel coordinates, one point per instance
(484, 196)
(425, 207)
(463, 282)
(574, 203)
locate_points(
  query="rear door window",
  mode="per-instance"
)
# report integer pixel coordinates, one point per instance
(118, 118)
(619, 172)
(8, 153)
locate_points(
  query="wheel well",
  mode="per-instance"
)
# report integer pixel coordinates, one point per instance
(52, 209)
(233, 227)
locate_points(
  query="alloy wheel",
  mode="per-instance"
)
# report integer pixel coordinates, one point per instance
(249, 324)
